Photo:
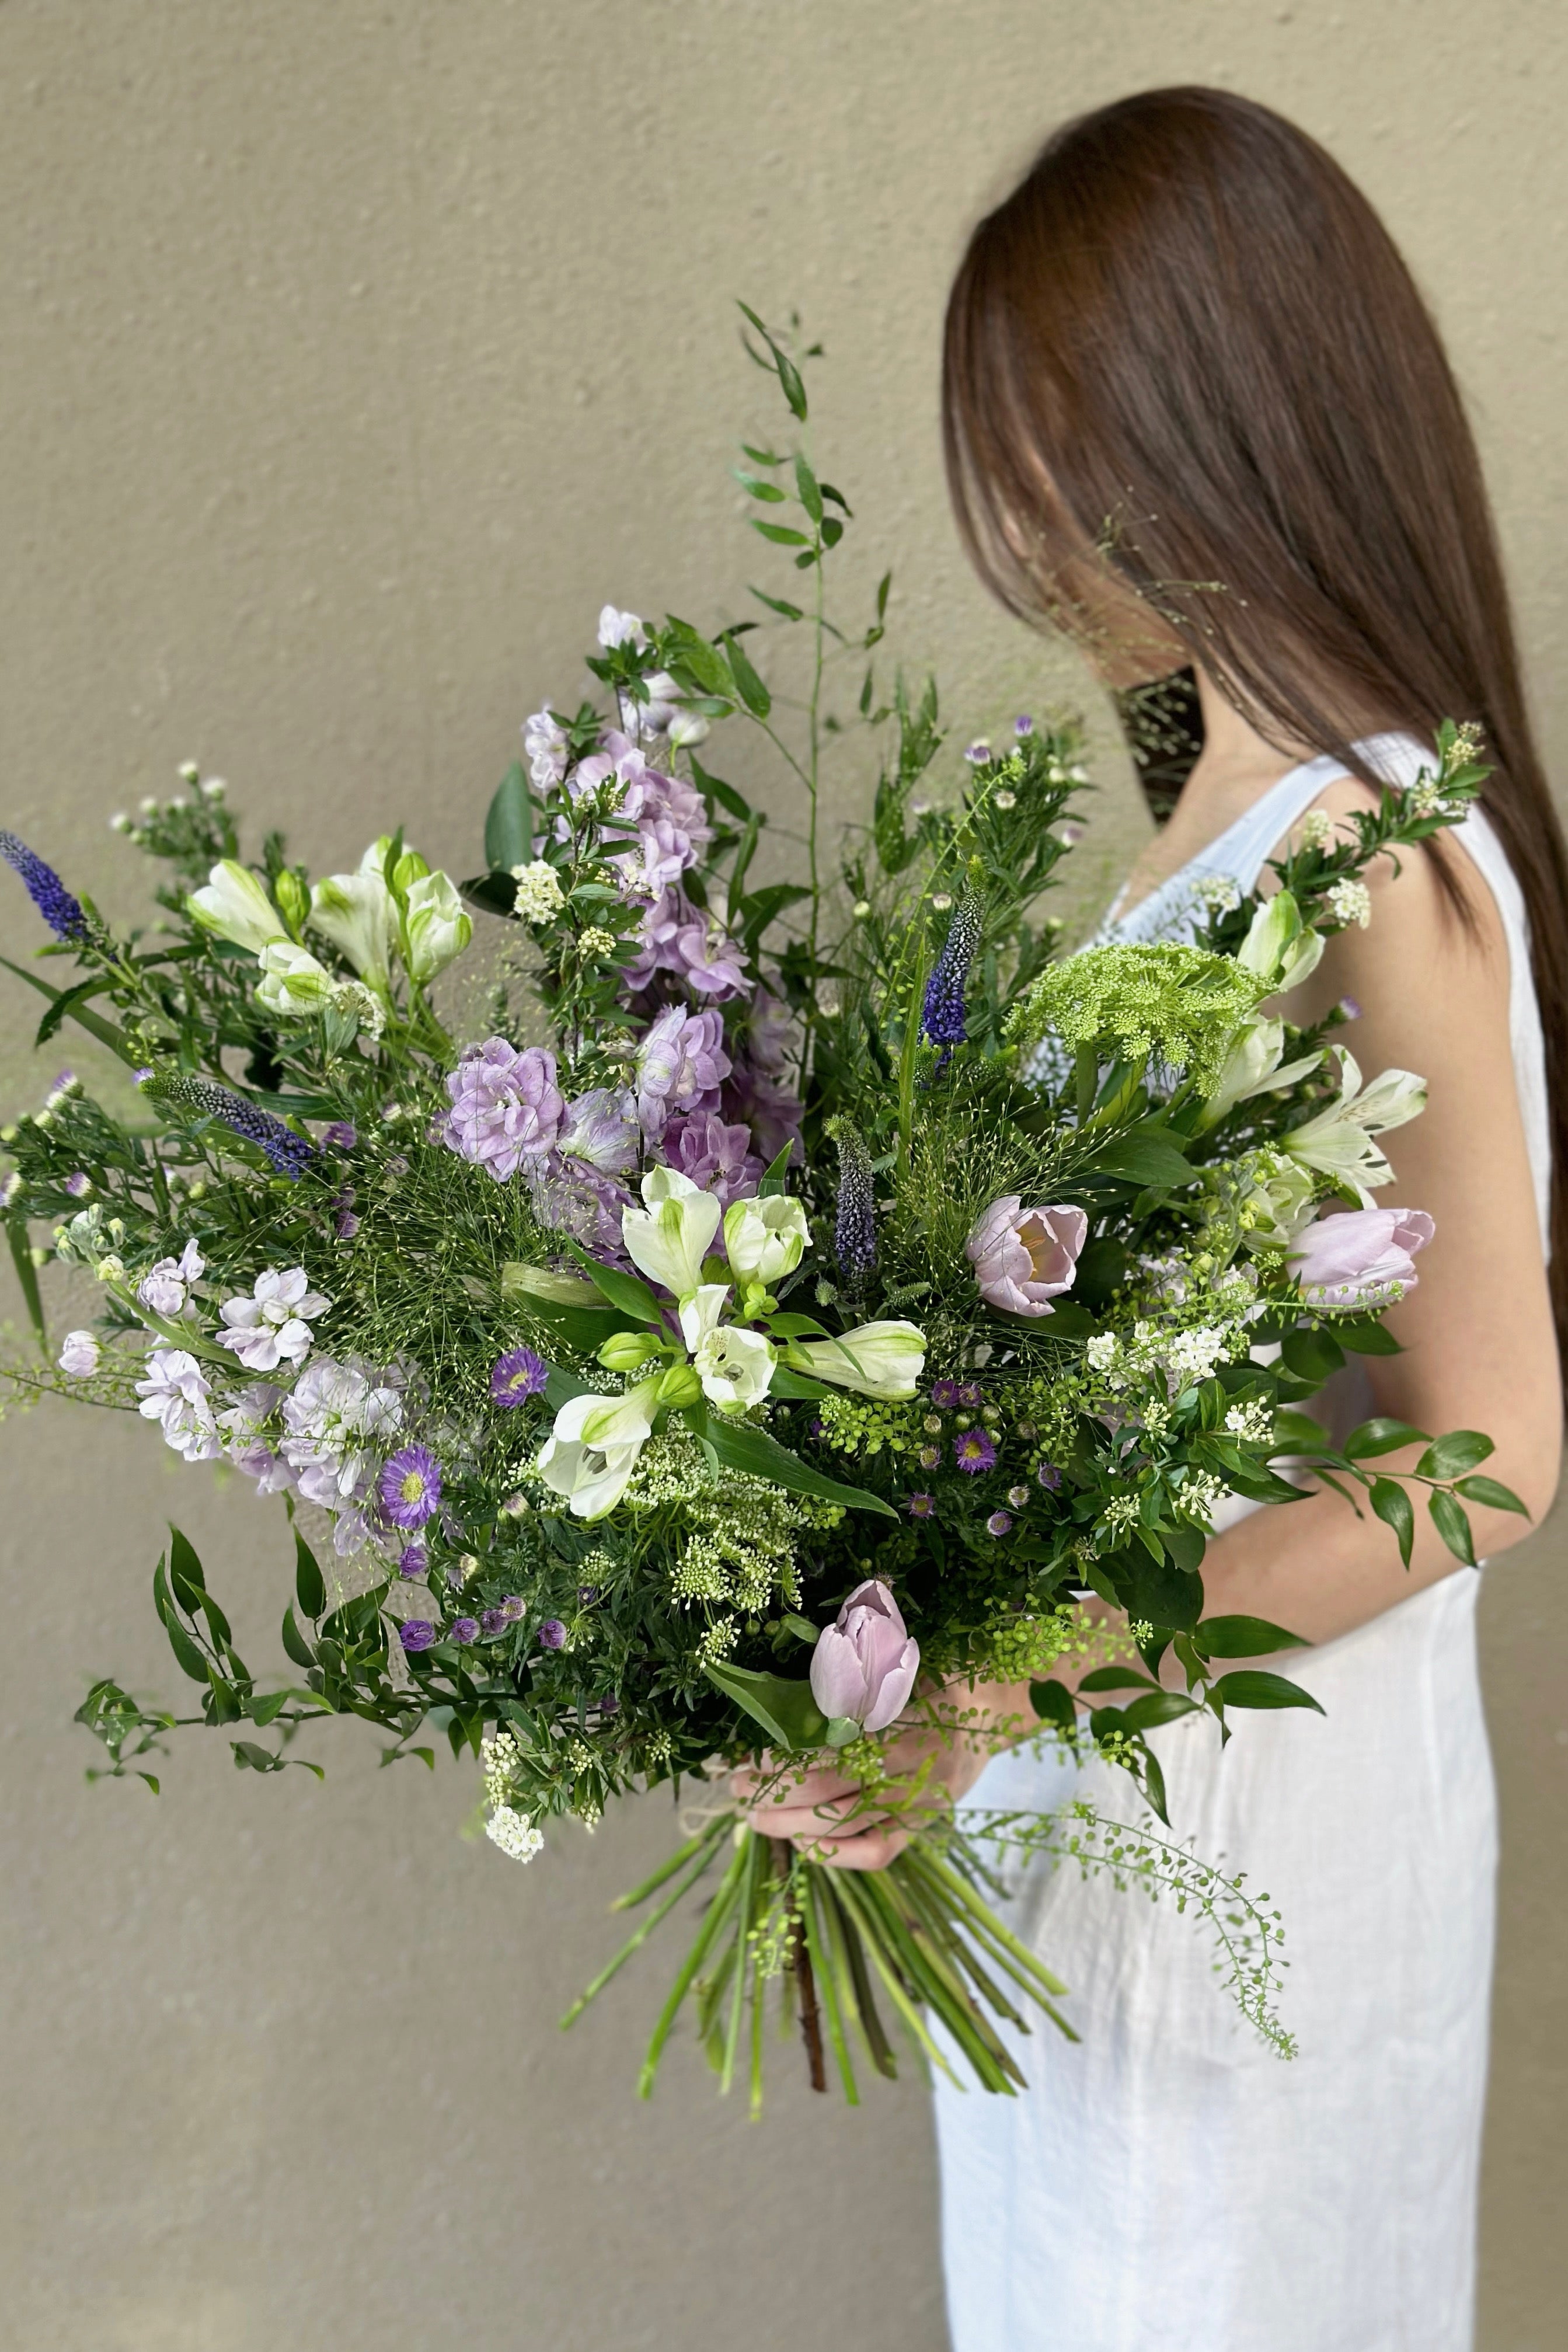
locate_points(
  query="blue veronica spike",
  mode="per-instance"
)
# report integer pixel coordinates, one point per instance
(63, 914)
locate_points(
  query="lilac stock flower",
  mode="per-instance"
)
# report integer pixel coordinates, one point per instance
(410, 1486)
(518, 1376)
(682, 1063)
(552, 1634)
(328, 1414)
(463, 1629)
(177, 1394)
(999, 1524)
(865, 1663)
(290, 1154)
(942, 1018)
(1022, 1258)
(576, 1200)
(669, 815)
(416, 1632)
(345, 1218)
(62, 913)
(79, 1355)
(718, 1158)
(974, 1451)
(679, 937)
(413, 1560)
(767, 1106)
(506, 1107)
(273, 1326)
(163, 1288)
(921, 1506)
(601, 1131)
(609, 1704)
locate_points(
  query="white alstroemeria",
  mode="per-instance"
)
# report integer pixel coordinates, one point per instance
(1280, 948)
(1253, 1067)
(700, 1311)
(292, 982)
(670, 1238)
(765, 1240)
(875, 1360)
(735, 1367)
(1339, 1141)
(439, 928)
(273, 1326)
(591, 1453)
(358, 913)
(163, 1288)
(1280, 1199)
(234, 906)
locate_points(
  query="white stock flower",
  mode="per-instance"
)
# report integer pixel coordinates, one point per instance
(273, 1326)
(176, 1394)
(670, 1238)
(620, 628)
(1279, 947)
(163, 1288)
(875, 1360)
(591, 1453)
(79, 1355)
(234, 906)
(1253, 1067)
(735, 1367)
(291, 980)
(440, 925)
(765, 1240)
(1338, 1142)
(544, 740)
(539, 893)
(358, 914)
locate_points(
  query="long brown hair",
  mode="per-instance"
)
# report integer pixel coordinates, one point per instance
(1186, 344)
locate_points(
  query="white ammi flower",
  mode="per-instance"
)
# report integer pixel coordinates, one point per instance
(539, 892)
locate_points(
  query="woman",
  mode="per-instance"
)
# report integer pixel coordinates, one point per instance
(1196, 414)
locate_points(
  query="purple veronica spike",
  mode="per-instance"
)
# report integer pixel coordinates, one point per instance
(62, 913)
(411, 1486)
(518, 1376)
(291, 1154)
(942, 1021)
(854, 1224)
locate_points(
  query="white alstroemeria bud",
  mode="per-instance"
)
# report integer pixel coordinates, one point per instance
(440, 925)
(670, 1238)
(875, 1360)
(591, 1453)
(292, 981)
(1253, 1067)
(764, 1240)
(234, 906)
(1278, 948)
(735, 1367)
(1338, 1141)
(358, 913)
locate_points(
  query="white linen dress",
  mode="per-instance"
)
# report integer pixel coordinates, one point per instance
(1168, 2184)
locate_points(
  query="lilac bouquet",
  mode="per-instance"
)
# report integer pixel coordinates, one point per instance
(799, 1302)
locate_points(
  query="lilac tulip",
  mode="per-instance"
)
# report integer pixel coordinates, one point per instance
(1022, 1258)
(865, 1663)
(1359, 1257)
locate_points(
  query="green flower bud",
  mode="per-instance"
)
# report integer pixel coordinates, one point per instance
(680, 1385)
(624, 1351)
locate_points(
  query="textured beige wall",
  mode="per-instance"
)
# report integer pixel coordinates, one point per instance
(353, 355)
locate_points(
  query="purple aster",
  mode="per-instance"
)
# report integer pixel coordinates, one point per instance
(513, 1607)
(1018, 1497)
(921, 1506)
(413, 1560)
(1000, 1523)
(1023, 725)
(1050, 1477)
(410, 1486)
(944, 1395)
(464, 1630)
(970, 1393)
(609, 1704)
(977, 752)
(62, 913)
(1350, 1008)
(974, 1451)
(942, 1020)
(552, 1634)
(78, 1184)
(291, 1154)
(416, 1632)
(518, 1376)
(493, 1621)
(718, 1159)
(342, 1135)
(506, 1107)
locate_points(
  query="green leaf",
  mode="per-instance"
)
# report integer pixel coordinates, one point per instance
(781, 533)
(1365, 1336)
(1311, 1355)
(806, 485)
(741, 1445)
(1252, 1688)
(1297, 1432)
(1186, 1547)
(775, 1177)
(1383, 1436)
(706, 662)
(65, 1004)
(1052, 1702)
(561, 1386)
(294, 1642)
(263, 1709)
(1143, 1155)
(185, 1574)
(624, 1291)
(1147, 1713)
(1492, 1494)
(787, 1383)
(308, 1582)
(725, 794)
(788, 373)
(786, 612)
(753, 693)
(509, 824)
(188, 1657)
(27, 1278)
(786, 1710)
(1451, 1456)
(1160, 1595)
(763, 907)
(770, 491)
(1452, 1524)
(1116, 1678)
(1243, 1637)
(104, 1031)
(841, 1731)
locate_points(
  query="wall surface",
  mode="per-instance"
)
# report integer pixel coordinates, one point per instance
(354, 356)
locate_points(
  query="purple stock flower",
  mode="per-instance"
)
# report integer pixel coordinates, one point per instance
(552, 1634)
(518, 1376)
(410, 1486)
(601, 1131)
(921, 1506)
(999, 1524)
(670, 817)
(413, 1560)
(62, 913)
(682, 1063)
(291, 1154)
(718, 1158)
(680, 938)
(416, 1632)
(944, 1395)
(463, 1629)
(506, 1106)
(974, 1451)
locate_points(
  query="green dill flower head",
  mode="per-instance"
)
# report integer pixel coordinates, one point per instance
(1181, 1004)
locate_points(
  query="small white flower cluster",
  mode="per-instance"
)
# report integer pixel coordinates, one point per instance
(1186, 1356)
(1119, 1515)
(1317, 829)
(1198, 1498)
(514, 1833)
(540, 897)
(1217, 893)
(1253, 1423)
(1192, 1355)
(1349, 902)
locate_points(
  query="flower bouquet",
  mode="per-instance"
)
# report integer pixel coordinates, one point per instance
(808, 1299)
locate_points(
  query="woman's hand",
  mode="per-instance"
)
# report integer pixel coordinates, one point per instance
(831, 1817)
